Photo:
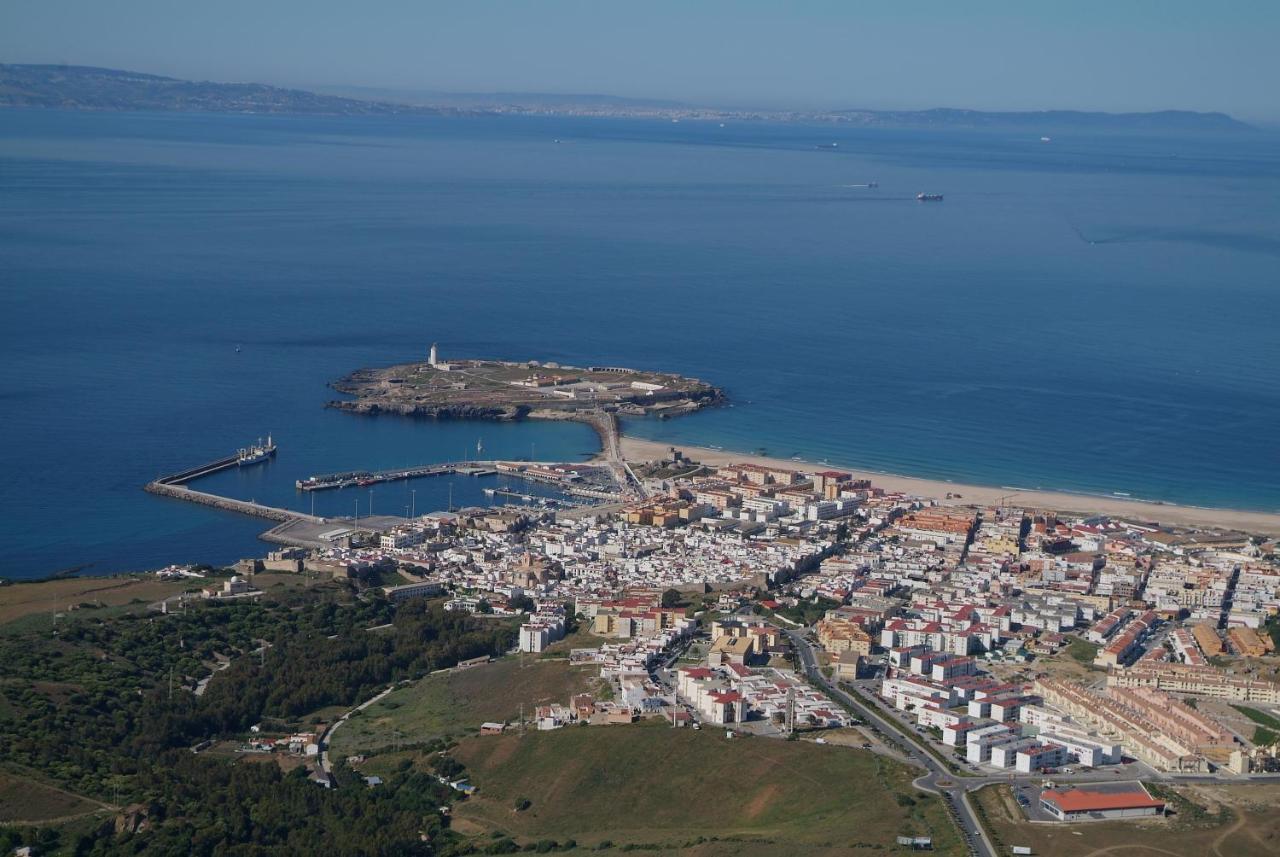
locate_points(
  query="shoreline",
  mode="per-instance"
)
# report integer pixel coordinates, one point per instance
(1262, 523)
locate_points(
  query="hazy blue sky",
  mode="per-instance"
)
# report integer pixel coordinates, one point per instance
(1116, 55)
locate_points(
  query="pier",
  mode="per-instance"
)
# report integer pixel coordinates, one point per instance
(292, 527)
(373, 477)
(196, 472)
(174, 486)
(244, 507)
(363, 478)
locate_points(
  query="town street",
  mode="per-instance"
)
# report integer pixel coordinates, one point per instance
(936, 779)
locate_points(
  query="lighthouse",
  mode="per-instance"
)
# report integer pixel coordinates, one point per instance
(434, 357)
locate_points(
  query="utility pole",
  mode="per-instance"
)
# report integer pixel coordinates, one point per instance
(413, 503)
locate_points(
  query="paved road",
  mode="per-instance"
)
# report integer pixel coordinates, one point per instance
(958, 787)
(955, 793)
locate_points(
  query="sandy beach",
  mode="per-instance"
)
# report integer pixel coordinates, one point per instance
(1263, 523)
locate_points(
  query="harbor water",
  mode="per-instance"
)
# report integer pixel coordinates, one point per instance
(1100, 313)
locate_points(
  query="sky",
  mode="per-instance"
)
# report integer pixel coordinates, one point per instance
(983, 54)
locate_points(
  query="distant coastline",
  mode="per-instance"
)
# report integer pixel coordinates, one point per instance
(74, 87)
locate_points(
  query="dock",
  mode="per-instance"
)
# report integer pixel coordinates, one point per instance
(292, 527)
(174, 485)
(362, 478)
(228, 504)
(349, 478)
(191, 473)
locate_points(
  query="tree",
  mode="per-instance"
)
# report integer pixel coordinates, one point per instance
(672, 598)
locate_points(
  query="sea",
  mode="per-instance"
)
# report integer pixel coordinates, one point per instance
(1096, 313)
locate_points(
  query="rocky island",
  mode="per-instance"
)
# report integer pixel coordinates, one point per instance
(504, 390)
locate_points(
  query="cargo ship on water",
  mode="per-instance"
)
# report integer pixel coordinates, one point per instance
(257, 453)
(929, 197)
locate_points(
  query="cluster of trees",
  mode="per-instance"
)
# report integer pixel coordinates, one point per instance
(106, 709)
(809, 610)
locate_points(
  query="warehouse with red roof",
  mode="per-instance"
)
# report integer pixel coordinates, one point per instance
(1122, 800)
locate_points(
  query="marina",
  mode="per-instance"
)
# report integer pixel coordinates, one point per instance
(364, 478)
(586, 481)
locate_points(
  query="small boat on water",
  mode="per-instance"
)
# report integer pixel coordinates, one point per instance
(929, 197)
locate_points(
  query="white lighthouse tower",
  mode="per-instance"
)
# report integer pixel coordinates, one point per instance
(434, 357)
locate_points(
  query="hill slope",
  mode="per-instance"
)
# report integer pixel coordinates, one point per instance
(88, 88)
(670, 790)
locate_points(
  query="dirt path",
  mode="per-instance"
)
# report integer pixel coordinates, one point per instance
(1217, 843)
(1113, 848)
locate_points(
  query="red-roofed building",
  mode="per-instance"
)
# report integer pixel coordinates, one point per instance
(1076, 804)
(724, 707)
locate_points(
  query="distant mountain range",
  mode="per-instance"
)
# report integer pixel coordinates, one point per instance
(88, 88)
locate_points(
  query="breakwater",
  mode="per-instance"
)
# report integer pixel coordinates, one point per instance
(244, 507)
(174, 486)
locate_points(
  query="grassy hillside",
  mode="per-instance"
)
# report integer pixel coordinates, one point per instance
(696, 792)
(456, 703)
(43, 598)
(89, 88)
(22, 799)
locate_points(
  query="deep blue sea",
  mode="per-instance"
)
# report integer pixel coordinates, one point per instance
(1097, 313)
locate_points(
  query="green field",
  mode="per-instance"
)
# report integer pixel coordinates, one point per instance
(1083, 651)
(25, 800)
(86, 595)
(1222, 821)
(457, 702)
(1267, 731)
(670, 790)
